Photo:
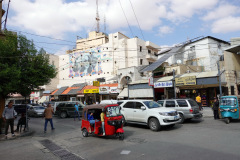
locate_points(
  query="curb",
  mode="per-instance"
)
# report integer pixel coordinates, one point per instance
(29, 133)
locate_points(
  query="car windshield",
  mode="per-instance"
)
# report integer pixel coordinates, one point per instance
(38, 108)
(228, 101)
(151, 104)
(113, 111)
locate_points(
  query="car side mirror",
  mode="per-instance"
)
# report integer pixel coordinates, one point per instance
(143, 108)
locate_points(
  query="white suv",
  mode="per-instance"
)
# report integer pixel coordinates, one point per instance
(149, 113)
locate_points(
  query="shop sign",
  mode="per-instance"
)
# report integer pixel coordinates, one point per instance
(185, 81)
(91, 91)
(163, 84)
(150, 82)
(114, 90)
(104, 90)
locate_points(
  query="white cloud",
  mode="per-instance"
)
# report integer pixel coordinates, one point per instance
(165, 30)
(225, 25)
(222, 11)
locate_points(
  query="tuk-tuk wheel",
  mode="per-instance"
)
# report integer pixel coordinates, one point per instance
(85, 132)
(121, 136)
(227, 120)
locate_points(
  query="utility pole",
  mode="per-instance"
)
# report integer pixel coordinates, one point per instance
(5, 25)
(219, 77)
(174, 84)
(1, 11)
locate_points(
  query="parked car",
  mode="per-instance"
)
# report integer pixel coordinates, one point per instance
(36, 111)
(66, 109)
(149, 113)
(57, 103)
(187, 108)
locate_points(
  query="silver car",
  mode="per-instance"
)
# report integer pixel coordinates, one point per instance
(187, 108)
(36, 111)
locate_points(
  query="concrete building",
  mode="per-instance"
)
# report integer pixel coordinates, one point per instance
(85, 65)
(232, 67)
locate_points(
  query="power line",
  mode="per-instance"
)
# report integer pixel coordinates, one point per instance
(126, 17)
(137, 20)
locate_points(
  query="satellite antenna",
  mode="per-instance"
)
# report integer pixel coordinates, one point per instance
(179, 61)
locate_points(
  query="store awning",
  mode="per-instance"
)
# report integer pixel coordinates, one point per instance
(141, 93)
(164, 79)
(60, 91)
(54, 92)
(123, 93)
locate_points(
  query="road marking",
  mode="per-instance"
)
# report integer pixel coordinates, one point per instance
(125, 152)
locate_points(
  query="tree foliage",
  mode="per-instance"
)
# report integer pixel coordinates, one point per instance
(22, 68)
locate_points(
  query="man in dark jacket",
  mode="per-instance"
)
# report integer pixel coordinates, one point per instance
(215, 108)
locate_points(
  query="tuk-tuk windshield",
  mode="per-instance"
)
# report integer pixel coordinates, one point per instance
(113, 111)
(228, 101)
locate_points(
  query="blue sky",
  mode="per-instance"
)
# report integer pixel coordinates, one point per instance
(164, 22)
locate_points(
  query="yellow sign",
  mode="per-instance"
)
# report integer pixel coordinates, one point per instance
(185, 81)
(96, 83)
(91, 91)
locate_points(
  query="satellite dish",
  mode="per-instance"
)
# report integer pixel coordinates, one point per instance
(179, 61)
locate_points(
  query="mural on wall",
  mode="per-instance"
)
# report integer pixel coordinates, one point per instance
(86, 63)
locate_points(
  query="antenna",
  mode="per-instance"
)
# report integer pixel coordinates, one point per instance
(97, 18)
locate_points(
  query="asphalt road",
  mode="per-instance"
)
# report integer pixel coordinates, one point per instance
(196, 139)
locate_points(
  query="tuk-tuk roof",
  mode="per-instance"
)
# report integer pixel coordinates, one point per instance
(238, 96)
(98, 106)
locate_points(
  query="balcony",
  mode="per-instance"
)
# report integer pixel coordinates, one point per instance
(151, 57)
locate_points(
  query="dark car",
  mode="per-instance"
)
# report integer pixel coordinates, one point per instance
(67, 109)
(21, 108)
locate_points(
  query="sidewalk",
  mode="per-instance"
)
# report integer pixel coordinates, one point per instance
(17, 134)
(207, 112)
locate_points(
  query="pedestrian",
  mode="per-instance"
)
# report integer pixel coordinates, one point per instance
(198, 100)
(48, 112)
(215, 108)
(9, 115)
(102, 115)
(76, 112)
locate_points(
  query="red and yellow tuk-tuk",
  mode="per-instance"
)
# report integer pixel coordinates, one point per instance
(113, 122)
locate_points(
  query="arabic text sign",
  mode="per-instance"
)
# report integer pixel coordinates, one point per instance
(185, 81)
(91, 90)
(163, 84)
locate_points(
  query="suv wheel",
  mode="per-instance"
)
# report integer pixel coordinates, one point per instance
(124, 121)
(63, 114)
(154, 124)
(182, 118)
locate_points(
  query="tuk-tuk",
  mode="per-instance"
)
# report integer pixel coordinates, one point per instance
(229, 108)
(113, 122)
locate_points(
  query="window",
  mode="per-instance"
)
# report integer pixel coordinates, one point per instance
(151, 104)
(170, 104)
(115, 36)
(141, 61)
(138, 105)
(140, 48)
(232, 90)
(149, 51)
(182, 103)
(129, 105)
(69, 105)
(150, 62)
(192, 103)
(119, 103)
(160, 102)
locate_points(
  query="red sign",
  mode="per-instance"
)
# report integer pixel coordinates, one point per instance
(150, 82)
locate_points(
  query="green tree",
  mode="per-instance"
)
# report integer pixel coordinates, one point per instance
(22, 68)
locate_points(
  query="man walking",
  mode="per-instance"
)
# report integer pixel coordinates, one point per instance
(215, 108)
(76, 112)
(9, 116)
(48, 117)
(198, 100)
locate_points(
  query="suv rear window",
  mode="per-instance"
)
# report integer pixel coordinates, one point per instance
(170, 104)
(192, 103)
(182, 103)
